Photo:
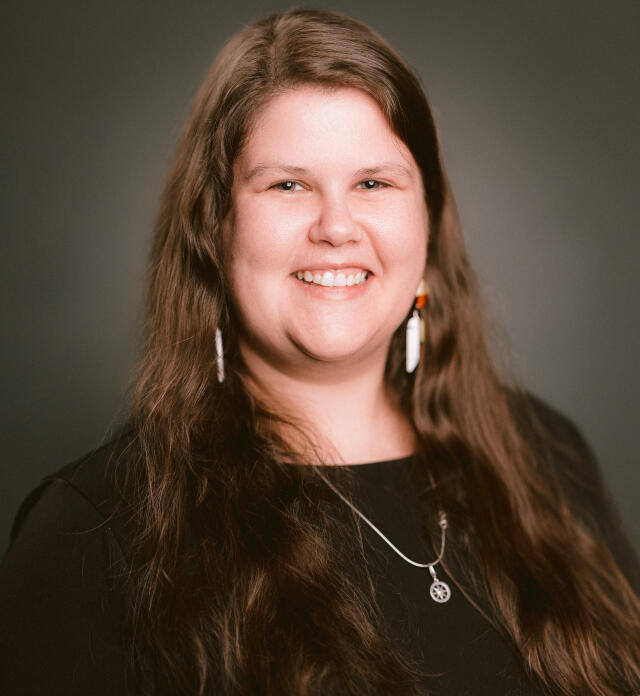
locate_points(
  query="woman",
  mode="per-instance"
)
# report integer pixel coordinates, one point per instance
(307, 428)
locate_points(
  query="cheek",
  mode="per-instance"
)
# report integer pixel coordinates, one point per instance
(261, 241)
(407, 238)
(256, 264)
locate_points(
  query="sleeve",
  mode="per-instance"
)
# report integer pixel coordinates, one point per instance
(61, 612)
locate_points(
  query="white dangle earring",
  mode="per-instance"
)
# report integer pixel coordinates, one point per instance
(219, 356)
(415, 328)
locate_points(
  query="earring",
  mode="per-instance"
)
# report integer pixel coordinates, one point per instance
(219, 356)
(415, 332)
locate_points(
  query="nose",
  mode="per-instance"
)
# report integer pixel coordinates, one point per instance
(334, 223)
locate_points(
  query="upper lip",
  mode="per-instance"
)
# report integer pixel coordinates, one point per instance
(332, 266)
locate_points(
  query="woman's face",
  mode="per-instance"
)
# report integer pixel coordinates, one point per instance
(323, 189)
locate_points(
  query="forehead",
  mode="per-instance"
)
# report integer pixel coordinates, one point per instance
(322, 127)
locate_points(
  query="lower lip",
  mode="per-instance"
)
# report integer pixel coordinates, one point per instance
(342, 292)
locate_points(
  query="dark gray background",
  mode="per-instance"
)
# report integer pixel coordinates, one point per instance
(538, 105)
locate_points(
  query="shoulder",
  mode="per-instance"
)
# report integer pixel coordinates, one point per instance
(570, 462)
(537, 418)
(562, 448)
(90, 488)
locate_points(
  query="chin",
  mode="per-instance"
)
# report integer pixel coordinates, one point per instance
(336, 351)
(333, 357)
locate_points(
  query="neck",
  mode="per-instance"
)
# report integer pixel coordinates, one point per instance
(354, 418)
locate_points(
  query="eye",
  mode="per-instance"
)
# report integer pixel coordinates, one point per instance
(372, 184)
(286, 186)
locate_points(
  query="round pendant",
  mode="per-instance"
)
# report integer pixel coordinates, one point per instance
(440, 591)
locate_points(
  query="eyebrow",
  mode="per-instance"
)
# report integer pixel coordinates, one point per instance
(301, 171)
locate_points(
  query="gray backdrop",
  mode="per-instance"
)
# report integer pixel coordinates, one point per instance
(538, 105)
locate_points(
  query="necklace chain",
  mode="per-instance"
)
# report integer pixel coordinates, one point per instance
(443, 532)
(440, 591)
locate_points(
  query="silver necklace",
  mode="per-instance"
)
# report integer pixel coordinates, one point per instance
(439, 590)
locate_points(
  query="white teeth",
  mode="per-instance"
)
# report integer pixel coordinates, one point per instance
(329, 280)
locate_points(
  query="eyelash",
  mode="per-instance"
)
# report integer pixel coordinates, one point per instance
(380, 184)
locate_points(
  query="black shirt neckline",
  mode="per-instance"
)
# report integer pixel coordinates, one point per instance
(366, 465)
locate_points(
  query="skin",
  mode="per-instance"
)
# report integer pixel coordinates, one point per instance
(321, 352)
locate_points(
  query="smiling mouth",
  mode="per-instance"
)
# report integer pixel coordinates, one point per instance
(332, 279)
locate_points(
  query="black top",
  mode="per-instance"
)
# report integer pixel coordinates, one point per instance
(62, 610)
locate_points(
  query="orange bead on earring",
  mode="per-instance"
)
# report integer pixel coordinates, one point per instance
(415, 330)
(422, 294)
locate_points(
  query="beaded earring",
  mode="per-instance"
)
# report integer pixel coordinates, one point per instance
(415, 332)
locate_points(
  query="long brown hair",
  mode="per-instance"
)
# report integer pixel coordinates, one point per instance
(238, 579)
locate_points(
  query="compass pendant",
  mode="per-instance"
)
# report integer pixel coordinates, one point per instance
(440, 592)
